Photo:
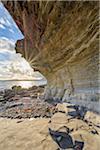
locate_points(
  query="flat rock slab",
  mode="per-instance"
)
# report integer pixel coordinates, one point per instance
(28, 134)
(55, 133)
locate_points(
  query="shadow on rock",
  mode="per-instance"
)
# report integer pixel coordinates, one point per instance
(79, 111)
(78, 145)
(65, 141)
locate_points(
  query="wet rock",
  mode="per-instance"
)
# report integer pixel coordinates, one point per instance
(27, 103)
(33, 88)
(16, 88)
(1, 93)
(1, 98)
(15, 98)
(11, 105)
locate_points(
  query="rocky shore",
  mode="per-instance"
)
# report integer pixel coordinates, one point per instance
(45, 125)
(25, 103)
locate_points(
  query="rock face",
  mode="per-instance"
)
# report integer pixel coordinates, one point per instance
(61, 41)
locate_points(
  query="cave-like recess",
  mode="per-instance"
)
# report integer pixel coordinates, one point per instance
(62, 42)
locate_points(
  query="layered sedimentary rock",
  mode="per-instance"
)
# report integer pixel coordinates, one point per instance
(61, 41)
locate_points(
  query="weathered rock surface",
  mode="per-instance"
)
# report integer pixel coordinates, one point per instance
(60, 132)
(92, 117)
(25, 103)
(61, 41)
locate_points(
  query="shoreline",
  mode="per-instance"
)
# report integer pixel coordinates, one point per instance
(7, 84)
(25, 103)
(21, 102)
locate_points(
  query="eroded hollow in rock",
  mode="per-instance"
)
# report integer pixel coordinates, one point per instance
(62, 42)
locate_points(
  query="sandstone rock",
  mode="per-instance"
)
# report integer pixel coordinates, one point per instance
(62, 107)
(68, 108)
(81, 132)
(90, 141)
(72, 110)
(92, 117)
(58, 121)
(36, 137)
(59, 132)
(61, 40)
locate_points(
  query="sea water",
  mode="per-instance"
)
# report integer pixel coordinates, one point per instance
(6, 84)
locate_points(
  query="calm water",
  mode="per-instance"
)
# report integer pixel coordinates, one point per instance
(24, 84)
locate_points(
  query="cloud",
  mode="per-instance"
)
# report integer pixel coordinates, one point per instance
(12, 65)
(5, 21)
(6, 44)
(2, 26)
(8, 23)
(8, 26)
(2, 21)
(12, 31)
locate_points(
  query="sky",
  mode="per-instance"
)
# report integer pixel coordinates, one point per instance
(12, 65)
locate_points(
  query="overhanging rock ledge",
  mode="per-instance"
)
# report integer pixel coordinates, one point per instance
(62, 42)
